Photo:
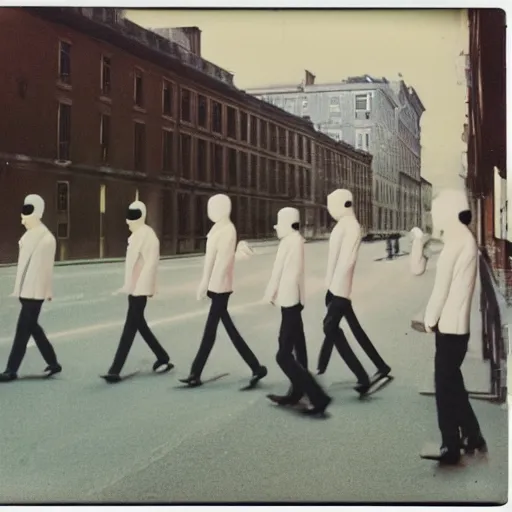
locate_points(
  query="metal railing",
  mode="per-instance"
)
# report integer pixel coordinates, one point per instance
(494, 327)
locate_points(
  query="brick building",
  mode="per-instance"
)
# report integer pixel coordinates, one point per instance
(97, 111)
(487, 162)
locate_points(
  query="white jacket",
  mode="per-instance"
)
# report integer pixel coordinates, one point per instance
(142, 260)
(219, 260)
(34, 275)
(449, 306)
(344, 245)
(287, 284)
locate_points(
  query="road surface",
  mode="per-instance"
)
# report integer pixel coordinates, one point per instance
(75, 438)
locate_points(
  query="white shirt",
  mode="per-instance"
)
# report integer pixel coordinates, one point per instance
(219, 260)
(286, 286)
(344, 245)
(141, 265)
(34, 275)
(449, 306)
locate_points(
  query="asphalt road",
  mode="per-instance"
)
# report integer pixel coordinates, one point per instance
(76, 439)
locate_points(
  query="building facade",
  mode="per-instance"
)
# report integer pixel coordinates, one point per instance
(426, 206)
(487, 151)
(120, 113)
(374, 115)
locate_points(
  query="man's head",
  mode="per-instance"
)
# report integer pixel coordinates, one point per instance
(340, 203)
(288, 221)
(219, 207)
(136, 215)
(32, 211)
(450, 209)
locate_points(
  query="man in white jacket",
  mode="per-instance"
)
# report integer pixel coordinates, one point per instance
(418, 259)
(448, 315)
(33, 285)
(286, 289)
(344, 245)
(141, 266)
(217, 284)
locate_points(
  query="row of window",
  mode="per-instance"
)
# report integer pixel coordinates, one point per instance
(198, 110)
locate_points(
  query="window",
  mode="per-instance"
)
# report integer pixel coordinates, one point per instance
(363, 139)
(184, 217)
(65, 62)
(308, 151)
(186, 156)
(273, 138)
(139, 147)
(138, 92)
(244, 119)
(254, 131)
(304, 104)
(202, 157)
(363, 105)
(167, 151)
(168, 214)
(216, 117)
(244, 170)
(232, 168)
(167, 98)
(218, 164)
(232, 123)
(289, 105)
(334, 105)
(105, 138)
(64, 122)
(281, 178)
(292, 181)
(105, 76)
(282, 141)
(300, 182)
(254, 173)
(201, 224)
(300, 156)
(263, 174)
(186, 104)
(202, 111)
(264, 134)
(272, 177)
(62, 197)
(291, 144)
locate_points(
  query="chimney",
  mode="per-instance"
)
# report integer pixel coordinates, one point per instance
(194, 35)
(310, 78)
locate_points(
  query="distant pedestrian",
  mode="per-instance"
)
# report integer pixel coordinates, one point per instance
(141, 265)
(33, 285)
(448, 315)
(344, 244)
(217, 285)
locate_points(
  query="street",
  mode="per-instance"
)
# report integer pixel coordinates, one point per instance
(75, 438)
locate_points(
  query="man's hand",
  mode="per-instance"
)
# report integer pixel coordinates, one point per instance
(119, 291)
(268, 300)
(202, 290)
(49, 299)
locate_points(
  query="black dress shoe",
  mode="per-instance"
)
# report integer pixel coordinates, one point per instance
(284, 399)
(112, 378)
(318, 409)
(52, 370)
(163, 366)
(362, 388)
(476, 444)
(8, 376)
(445, 456)
(192, 382)
(257, 376)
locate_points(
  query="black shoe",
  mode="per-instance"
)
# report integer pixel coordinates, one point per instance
(476, 444)
(8, 376)
(52, 370)
(112, 378)
(284, 399)
(362, 388)
(192, 381)
(381, 374)
(257, 376)
(318, 409)
(163, 366)
(445, 456)
(321, 371)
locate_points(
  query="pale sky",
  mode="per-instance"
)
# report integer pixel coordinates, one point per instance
(275, 47)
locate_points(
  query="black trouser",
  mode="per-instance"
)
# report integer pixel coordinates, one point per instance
(337, 308)
(219, 312)
(28, 326)
(302, 381)
(454, 411)
(135, 321)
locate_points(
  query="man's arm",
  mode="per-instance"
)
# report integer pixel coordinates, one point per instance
(349, 248)
(277, 272)
(334, 252)
(209, 260)
(151, 255)
(48, 253)
(443, 281)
